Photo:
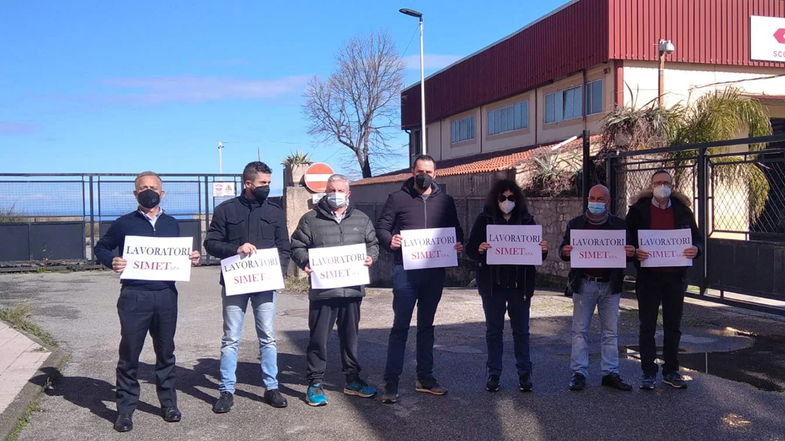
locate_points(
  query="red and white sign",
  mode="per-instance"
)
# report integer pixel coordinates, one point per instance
(157, 258)
(665, 247)
(316, 177)
(337, 267)
(767, 38)
(223, 189)
(598, 248)
(514, 245)
(256, 272)
(429, 248)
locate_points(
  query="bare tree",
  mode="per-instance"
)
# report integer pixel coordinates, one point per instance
(359, 101)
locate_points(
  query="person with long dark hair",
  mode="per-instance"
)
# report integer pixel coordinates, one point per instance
(504, 288)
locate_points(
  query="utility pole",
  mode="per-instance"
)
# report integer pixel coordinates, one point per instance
(220, 157)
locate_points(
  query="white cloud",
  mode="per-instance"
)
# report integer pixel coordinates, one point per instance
(196, 89)
(432, 61)
(16, 128)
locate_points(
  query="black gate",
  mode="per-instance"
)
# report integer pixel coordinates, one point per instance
(738, 192)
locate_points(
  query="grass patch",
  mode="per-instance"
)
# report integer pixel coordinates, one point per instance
(24, 420)
(18, 317)
(297, 284)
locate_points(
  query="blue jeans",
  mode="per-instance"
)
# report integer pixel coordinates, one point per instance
(591, 295)
(263, 304)
(424, 288)
(495, 305)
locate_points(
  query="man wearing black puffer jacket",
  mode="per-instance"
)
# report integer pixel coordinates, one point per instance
(334, 222)
(418, 204)
(241, 226)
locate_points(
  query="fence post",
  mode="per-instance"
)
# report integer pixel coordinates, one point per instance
(586, 168)
(610, 180)
(703, 207)
(92, 221)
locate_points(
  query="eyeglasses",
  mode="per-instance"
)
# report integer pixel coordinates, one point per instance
(503, 198)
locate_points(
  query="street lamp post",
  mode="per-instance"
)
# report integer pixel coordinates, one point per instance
(220, 157)
(423, 136)
(664, 47)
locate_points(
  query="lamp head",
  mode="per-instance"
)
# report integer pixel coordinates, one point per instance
(665, 47)
(411, 12)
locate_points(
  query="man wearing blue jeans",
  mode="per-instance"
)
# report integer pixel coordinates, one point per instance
(419, 203)
(595, 288)
(241, 226)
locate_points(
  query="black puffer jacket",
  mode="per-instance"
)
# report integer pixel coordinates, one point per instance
(318, 228)
(240, 220)
(486, 274)
(575, 277)
(406, 210)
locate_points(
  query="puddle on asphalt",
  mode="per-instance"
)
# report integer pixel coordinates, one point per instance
(761, 365)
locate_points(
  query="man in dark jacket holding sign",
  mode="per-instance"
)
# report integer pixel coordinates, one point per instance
(144, 305)
(655, 209)
(598, 288)
(334, 222)
(241, 226)
(418, 204)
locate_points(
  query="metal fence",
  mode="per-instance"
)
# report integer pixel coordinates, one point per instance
(738, 196)
(61, 216)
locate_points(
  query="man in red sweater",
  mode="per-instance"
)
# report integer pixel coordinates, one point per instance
(659, 208)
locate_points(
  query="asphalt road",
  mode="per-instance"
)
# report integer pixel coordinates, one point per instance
(79, 310)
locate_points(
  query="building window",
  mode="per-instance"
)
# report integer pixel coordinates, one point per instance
(568, 103)
(594, 97)
(506, 119)
(462, 130)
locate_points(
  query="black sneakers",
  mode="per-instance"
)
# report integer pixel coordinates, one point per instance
(674, 380)
(224, 403)
(648, 382)
(493, 383)
(390, 395)
(275, 399)
(577, 382)
(613, 380)
(171, 414)
(525, 383)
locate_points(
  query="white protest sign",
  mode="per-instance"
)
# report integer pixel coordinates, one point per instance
(157, 258)
(598, 248)
(337, 267)
(665, 247)
(514, 244)
(429, 248)
(255, 272)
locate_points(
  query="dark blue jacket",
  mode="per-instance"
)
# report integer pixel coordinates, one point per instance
(406, 210)
(241, 220)
(135, 224)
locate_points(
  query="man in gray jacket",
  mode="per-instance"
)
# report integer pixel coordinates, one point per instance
(334, 222)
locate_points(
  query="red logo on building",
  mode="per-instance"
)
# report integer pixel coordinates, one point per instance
(780, 35)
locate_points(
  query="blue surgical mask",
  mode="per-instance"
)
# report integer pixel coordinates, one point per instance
(337, 200)
(596, 207)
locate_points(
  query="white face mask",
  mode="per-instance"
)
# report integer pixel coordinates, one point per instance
(507, 206)
(337, 200)
(662, 192)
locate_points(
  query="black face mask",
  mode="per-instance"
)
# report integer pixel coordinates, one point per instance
(148, 198)
(423, 181)
(260, 193)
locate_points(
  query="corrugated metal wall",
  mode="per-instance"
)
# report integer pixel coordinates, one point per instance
(573, 38)
(585, 34)
(703, 31)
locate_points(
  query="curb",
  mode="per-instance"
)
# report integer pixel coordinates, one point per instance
(31, 391)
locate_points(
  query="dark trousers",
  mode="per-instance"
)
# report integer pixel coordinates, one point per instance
(512, 302)
(652, 289)
(424, 289)
(142, 311)
(322, 315)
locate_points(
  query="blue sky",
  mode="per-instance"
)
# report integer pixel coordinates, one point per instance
(112, 86)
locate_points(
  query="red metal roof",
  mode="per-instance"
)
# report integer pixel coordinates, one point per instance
(586, 33)
(483, 163)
